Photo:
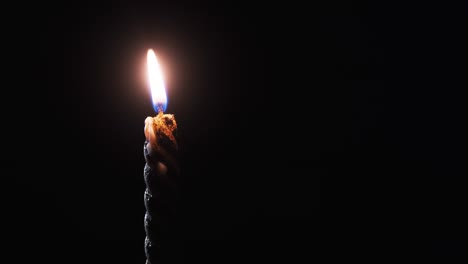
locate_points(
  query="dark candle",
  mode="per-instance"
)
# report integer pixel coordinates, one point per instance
(160, 173)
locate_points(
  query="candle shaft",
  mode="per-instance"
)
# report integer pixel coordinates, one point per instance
(161, 174)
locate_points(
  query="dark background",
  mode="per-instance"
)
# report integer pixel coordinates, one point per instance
(306, 131)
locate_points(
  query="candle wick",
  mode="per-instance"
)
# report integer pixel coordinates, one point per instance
(160, 109)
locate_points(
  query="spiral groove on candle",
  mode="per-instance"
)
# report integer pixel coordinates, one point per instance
(152, 246)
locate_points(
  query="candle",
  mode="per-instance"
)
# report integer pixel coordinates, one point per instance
(161, 171)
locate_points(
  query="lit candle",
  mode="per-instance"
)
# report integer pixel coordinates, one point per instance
(161, 170)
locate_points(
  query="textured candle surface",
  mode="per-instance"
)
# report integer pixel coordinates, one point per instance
(161, 174)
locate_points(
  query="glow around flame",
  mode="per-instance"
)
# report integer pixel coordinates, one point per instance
(156, 82)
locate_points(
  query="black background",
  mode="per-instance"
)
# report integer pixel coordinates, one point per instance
(306, 131)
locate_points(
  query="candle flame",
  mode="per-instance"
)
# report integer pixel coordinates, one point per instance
(156, 83)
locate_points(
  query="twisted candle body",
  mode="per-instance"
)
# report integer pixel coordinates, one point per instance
(161, 193)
